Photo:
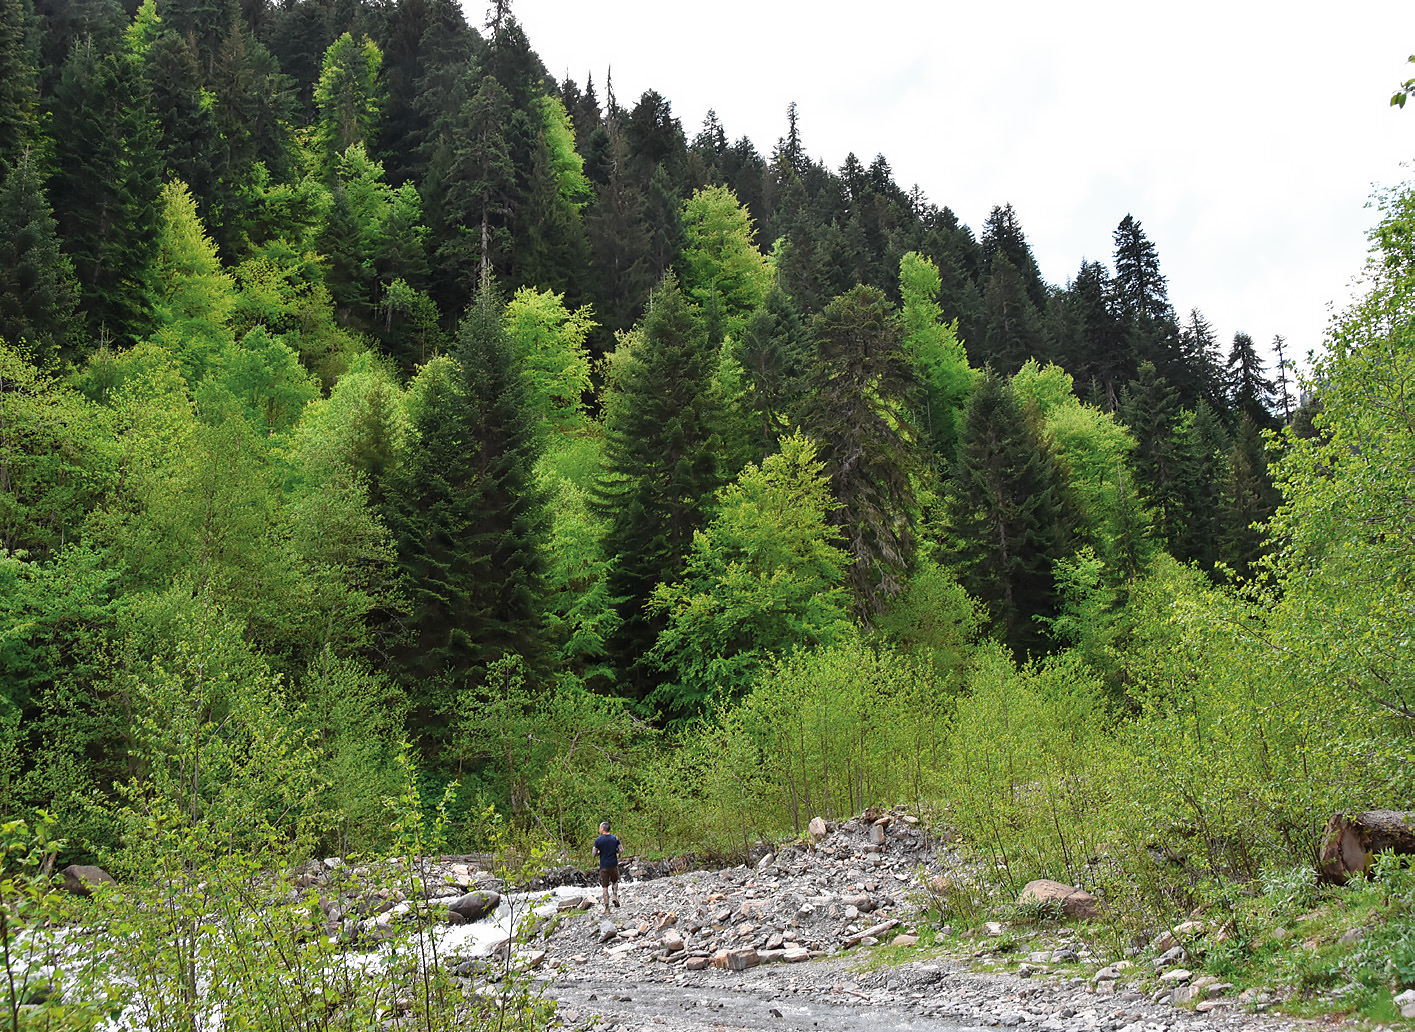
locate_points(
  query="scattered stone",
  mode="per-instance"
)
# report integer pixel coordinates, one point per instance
(1175, 975)
(735, 960)
(906, 940)
(84, 879)
(696, 964)
(475, 905)
(1075, 903)
(766, 861)
(607, 930)
(817, 828)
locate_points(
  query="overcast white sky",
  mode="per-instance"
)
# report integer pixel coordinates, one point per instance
(1245, 136)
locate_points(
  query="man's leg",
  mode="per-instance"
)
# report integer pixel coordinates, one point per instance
(604, 886)
(614, 880)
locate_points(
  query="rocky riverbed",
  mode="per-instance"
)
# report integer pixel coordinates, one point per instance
(831, 935)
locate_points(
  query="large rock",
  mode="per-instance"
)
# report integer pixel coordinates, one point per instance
(475, 905)
(82, 880)
(735, 960)
(1075, 903)
(817, 828)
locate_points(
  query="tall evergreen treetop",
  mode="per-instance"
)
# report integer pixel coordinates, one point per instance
(1140, 289)
(1250, 392)
(1003, 238)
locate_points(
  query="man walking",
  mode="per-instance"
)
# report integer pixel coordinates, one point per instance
(607, 847)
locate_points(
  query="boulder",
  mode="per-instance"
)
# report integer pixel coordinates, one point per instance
(474, 906)
(82, 879)
(735, 960)
(1075, 903)
(817, 828)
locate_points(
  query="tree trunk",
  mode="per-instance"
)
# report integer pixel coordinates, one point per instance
(1351, 841)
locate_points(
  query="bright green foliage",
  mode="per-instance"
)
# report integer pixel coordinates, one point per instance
(720, 260)
(1095, 450)
(218, 756)
(37, 296)
(357, 718)
(938, 356)
(195, 297)
(859, 400)
(1025, 766)
(766, 575)
(551, 342)
(55, 462)
(360, 427)
(580, 616)
(935, 619)
(566, 165)
(349, 95)
(266, 379)
(832, 730)
(661, 462)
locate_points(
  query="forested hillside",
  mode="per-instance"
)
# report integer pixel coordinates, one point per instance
(369, 397)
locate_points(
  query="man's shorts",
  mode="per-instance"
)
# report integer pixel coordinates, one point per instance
(608, 876)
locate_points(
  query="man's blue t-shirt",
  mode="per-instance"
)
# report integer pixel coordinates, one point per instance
(608, 847)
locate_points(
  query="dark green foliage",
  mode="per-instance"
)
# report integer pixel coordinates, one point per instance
(1249, 499)
(36, 281)
(1088, 339)
(1003, 239)
(186, 117)
(775, 353)
(661, 466)
(19, 81)
(105, 191)
(474, 191)
(1249, 391)
(1008, 517)
(468, 523)
(510, 522)
(1013, 331)
(860, 394)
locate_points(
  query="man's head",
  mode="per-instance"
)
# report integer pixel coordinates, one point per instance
(604, 827)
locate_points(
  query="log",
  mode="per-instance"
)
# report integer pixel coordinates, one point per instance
(1351, 841)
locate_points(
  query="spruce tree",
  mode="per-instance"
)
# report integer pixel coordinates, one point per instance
(19, 81)
(1003, 239)
(1250, 393)
(509, 522)
(105, 191)
(1008, 517)
(859, 402)
(37, 296)
(661, 448)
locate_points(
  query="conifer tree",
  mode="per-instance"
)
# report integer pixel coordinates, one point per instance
(1003, 239)
(1250, 392)
(349, 96)
(859, 403)
(1249, 499)
(19, 81)
(1008, 518)
(661, 465)
(105, 191)
(37, 296)
(508, 519)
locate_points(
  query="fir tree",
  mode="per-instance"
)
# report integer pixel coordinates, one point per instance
(1250, 393)
(36, 281)
(661, 464)
(1008, 517)
(105, 192)
(860, 397)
